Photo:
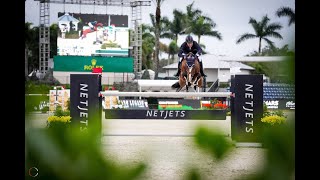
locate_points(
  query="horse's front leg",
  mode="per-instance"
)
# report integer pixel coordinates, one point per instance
(198, 79)
(195, 79)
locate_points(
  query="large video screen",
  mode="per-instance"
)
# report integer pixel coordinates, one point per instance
(92, 34)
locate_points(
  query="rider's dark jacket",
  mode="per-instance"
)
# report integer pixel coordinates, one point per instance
(184, 48)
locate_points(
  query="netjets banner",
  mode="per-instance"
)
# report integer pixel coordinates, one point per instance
(165, 114)
(248, 108)
(85, 103)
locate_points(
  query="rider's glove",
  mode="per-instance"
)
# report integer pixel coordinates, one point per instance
(197, 54)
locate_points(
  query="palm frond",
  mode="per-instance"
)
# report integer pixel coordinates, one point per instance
(264, 21)
(286, 11)
(274, 34)
(270, 43)
(214, 34)
(273, 27)
(245, 37)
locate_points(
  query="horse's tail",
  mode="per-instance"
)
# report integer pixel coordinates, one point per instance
(175, 85)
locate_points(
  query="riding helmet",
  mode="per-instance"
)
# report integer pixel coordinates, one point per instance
(189, 39)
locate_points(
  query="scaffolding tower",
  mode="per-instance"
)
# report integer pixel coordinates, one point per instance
(136, 36)
(44, 37)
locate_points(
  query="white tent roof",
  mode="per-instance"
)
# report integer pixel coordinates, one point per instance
(67, 18)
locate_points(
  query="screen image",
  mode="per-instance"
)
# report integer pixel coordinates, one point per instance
(92, 34)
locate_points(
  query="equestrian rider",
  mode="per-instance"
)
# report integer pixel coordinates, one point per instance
(190, 46)
(92, 24)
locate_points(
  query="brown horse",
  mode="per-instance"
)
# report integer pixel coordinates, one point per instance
(190, 74)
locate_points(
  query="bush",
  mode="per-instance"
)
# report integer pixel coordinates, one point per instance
(273, 117)
(60, 112)
(273, 120)
(60, 119)
(45, 109)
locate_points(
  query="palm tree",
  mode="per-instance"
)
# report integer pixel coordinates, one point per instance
(262, 30)
(31, 46)
(198, 24)
(203, 26)
(54, 29)
(157, 35)
(191, 16)
(178, 24)
(274, 51)
(148, 43)
(164, 26)
(28, 41)
(172, 50)
(286, 11)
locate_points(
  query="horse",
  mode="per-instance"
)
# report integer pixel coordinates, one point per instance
(190, 74)
(89, 30)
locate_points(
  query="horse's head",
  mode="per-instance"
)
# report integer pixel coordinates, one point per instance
(190, 69)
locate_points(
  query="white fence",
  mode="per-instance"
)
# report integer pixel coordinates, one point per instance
(166, 94)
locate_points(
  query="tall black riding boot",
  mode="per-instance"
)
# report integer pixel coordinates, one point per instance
(178, 73)
(201, 70)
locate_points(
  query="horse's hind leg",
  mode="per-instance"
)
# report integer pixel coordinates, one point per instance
(178, 89)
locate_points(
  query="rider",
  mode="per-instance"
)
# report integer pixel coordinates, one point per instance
(92, 24)
(189, 46)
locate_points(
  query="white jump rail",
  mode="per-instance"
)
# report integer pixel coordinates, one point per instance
(37, 94)
(166, 94)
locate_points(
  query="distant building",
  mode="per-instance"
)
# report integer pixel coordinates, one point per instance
(222, 67)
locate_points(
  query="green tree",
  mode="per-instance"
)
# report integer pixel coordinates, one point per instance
(178, 24)
(157, 35)
(172, 50)
(54, 29)
(286, 12)
(198, 24)
(263, 29)
(274, 51)
(28, 41)
(148, 44)
(31, 46)
(203, 26)
(191, 16)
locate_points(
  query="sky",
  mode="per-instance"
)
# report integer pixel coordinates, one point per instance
(231, 18)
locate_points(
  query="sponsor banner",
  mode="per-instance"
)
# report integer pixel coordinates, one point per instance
(246, 123)
(134, 103)
(87, 63)
(165, 114)
(92, 34)
(59, 98)
(280, 104)
(36, 103)
(179, 104)
(85, 103)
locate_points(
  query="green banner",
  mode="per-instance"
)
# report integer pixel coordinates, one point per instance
(86, 63)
